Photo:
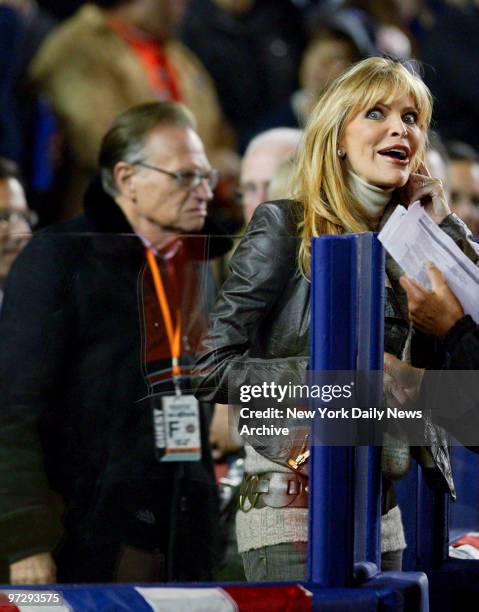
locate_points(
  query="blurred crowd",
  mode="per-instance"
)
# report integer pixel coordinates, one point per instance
(241, 66)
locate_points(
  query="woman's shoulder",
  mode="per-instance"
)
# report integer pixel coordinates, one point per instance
(281, 215)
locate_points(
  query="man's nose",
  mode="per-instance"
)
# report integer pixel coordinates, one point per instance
(259, 194)
(204, 188)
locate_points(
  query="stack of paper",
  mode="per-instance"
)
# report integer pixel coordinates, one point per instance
(413, 239)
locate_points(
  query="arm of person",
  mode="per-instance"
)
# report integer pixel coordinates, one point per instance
(262, 265)
(462, 345)
(34, 331)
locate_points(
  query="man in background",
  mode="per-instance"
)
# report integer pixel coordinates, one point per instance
(15, 218)
(262, 158)
(465, 183)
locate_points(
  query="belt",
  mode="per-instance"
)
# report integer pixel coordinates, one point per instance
(273, 489)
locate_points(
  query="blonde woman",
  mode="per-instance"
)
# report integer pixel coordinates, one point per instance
(362, 153)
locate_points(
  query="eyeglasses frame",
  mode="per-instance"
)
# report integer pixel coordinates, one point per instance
(212, 177)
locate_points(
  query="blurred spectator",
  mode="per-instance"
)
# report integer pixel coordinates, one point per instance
(37, 22)
(260, 162)
(339, 41)
(252, 50)
(419, 16)
(438, 162)
(109, 56)
(62, 9)
(383, 20)
(12, 34)
(458, 3)
(465, 183)
(15, 218)
(23, 115)
(449, 53)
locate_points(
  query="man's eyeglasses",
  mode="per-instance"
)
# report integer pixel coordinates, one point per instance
(188, 179)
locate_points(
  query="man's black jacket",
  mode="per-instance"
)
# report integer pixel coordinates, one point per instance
(75, 418)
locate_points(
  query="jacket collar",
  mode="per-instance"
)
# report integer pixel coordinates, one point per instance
(103, 212)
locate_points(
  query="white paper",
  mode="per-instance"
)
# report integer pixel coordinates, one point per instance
(413, 239)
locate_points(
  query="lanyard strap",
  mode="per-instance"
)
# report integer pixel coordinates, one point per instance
(173, 334)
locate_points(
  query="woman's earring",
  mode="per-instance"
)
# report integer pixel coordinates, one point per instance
(341, 153)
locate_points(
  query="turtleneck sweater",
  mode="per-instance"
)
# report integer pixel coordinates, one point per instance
(371, 198)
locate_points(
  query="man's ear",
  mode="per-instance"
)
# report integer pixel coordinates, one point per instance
(123, 174)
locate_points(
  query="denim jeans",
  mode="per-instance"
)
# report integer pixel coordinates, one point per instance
(281, 562)
(391, 561)
(287, 562)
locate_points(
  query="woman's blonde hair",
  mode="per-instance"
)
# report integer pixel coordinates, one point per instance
(280, 184)
(328, 206)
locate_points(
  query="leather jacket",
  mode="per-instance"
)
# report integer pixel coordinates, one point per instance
(259, 327)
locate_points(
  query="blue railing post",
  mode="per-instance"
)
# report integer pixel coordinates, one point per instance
(347, 316)
(370, 356)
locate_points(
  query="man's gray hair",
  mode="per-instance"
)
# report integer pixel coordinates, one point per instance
(282, 136)
(125, 140)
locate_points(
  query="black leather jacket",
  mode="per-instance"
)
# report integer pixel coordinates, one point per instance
(260, 324)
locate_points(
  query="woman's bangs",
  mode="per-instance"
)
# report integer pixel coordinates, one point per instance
(384, 88)
(407, 84)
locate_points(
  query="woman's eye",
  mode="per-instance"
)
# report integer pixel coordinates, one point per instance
(410, 118)
(375, 113)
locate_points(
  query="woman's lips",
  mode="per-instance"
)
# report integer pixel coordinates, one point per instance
(398, 153)
(395, 161)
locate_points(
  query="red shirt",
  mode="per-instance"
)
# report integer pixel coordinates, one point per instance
(151, 55)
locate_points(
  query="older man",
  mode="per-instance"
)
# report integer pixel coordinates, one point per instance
(15, 218)
(263, 156)
(100, 321)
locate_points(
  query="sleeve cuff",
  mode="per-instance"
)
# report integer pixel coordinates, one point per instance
(457, 331)
(454, 223)
(28, 532)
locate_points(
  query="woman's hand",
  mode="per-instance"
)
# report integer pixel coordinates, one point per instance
(429, 191)
(401, 380)
(432, 312)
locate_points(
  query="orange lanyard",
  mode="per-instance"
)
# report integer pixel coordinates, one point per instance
(174, 334)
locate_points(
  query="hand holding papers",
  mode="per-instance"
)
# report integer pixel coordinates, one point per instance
(413, 239)
(433, 312)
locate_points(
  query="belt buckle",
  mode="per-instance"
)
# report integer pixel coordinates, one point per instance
(246, 495)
